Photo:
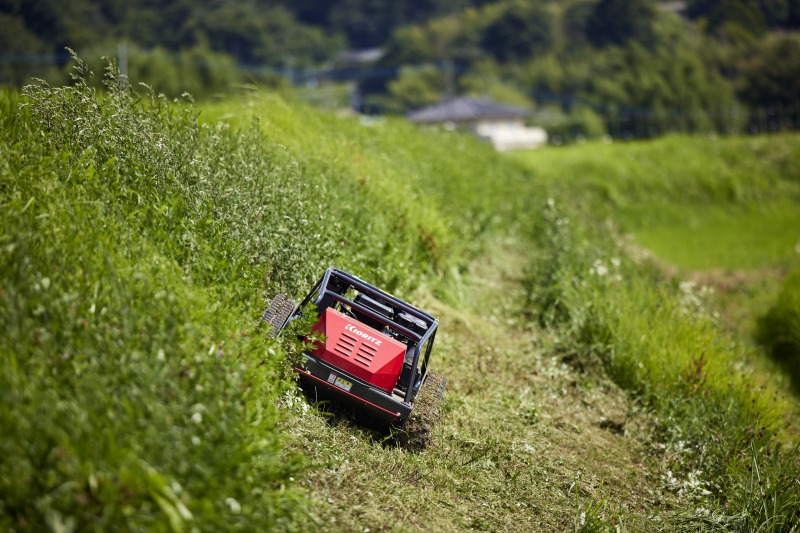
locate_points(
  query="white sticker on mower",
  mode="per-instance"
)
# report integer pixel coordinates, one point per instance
(339, 382)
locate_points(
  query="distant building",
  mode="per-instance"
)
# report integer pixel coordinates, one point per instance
(362, 56)
(677, 7)
(502, 125)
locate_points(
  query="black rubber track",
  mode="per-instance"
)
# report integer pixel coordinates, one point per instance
(277, 313)
(417, 433)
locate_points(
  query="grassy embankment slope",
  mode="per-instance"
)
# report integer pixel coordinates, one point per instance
(523, 445)
(651, 336)
(138, 249)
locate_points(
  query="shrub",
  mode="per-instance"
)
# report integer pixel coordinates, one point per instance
(779, 329)
(139, 391)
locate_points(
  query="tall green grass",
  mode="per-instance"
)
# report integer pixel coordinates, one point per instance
(451, 189)
(137, 250)
(138, 390)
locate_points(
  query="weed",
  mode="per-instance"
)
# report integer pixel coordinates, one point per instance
(589, 517)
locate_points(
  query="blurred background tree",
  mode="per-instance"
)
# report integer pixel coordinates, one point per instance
(617, 22)
(522, 31)
(638, 65)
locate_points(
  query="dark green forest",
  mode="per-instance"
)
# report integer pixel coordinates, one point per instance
(631, 68)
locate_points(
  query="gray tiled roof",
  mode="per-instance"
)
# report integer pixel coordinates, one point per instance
(465, 109)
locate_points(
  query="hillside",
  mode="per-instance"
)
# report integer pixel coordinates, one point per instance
(140, 246)
(719, 216)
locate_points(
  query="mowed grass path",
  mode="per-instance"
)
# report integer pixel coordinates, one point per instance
(526, 443)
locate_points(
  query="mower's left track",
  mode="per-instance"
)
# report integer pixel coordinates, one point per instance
(278, 313)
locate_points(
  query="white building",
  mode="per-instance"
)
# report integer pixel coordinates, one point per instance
(501, 125)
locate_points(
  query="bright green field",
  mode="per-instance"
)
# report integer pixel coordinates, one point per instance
(696, 203)
(741, 238)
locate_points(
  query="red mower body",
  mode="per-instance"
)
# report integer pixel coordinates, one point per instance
(375, 350)
(359, 349)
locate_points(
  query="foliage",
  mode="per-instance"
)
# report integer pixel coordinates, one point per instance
(645, 71)
(773, 73)
(19, 44)
(485, 81)
(263, 35)
(138, 246)
(367, 23)
(653, 92)
(249, 31)
(616, 22)
(589, 122)
(751, 15)
(520, 32)
(779, 329)
(417, 87)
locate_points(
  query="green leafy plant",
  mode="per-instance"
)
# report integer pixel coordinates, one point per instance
(138, 392)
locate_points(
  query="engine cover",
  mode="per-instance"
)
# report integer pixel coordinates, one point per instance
(359, 349)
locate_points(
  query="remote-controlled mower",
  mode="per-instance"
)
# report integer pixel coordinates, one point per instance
(373, 353)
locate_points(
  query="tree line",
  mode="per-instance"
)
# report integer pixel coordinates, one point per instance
(630, 65)
(718, 65)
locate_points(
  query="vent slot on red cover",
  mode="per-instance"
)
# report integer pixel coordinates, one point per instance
(365, 354)
(345, 344)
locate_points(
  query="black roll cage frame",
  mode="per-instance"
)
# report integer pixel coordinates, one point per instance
(325, 294)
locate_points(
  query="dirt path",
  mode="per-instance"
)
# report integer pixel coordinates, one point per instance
(527, 442)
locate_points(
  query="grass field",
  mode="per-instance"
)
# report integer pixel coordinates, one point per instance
(697, 203)
(139, 246)
(742, 238)
(723, 213)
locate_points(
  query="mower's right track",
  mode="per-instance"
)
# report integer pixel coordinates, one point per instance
(417, 432)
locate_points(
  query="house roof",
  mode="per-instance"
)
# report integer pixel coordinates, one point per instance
(465, 110)
(364, 55)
